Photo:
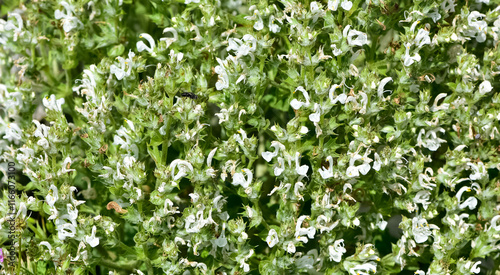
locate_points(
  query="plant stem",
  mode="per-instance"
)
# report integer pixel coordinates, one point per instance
(147, 261)
(164, 145)
(115, 265)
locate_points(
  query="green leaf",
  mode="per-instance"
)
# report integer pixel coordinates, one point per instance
(116, 50)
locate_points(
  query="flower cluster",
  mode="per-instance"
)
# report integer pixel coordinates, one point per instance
(260, 137)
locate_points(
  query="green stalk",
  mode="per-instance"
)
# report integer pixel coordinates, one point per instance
(164, 145)
(147, 261)
(18, 269)
(119, 266)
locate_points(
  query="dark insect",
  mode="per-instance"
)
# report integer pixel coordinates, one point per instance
(190, 95)
(325, 164)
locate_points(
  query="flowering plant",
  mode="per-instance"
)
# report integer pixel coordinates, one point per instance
(250, 137)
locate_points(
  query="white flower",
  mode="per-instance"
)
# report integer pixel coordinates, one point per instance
(242, 47)
(272, 238)
(52, 104)
(485, 87)
(327, 173)
(301, 170)
(353, 170)
(290, 247)
(92, 240)
(480, 170)
(363, 269)
(354, 37)
(72, 212)
(380, 90)
(280, 167)
(300, 231)
(170, 40)
(121, 72)
(65, 230)
(22, 211)
(42, 132)
(69, 21)
(128, 161)
(49, 247)
(13, 132)
(422, 38)
(210, 171)
(183, 166)
(443, 106)
(470, 202)
(336, 250)
(224, 114)
(272, 26)
(408, 59)
(141, 46)
(243, 264)
(322, 221)
(475, 268)
(333, 5)
(435, 15)
(259, 25)
(431, 141)
(340, 98)
(10, 26)
(223, 81)
(65, 167)
(421, 229)
(316, 116)
(494, 223)
(448, 6)
(335, 51)
(425, 180)
(297, 104)
(52, 196)
(222, 240)
(268, 156)
(478, 28)
(88, 85)
(346, 5)
(239, 178)
(422, 197)
(377, 163)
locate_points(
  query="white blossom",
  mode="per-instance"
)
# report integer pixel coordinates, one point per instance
(272, 238)
(141, 46)
(301, 231)
(183, 166)
(92, 240)
(327, 173)
(296, 104)
(52, 196)
(223, 81)
(70, 22)
(239, 178)
(354, 37)
(485, 87)
(421, 229)
(268, 156)
(336, 250)
(279, 167)
(301, 170)
(13, 132)
(52, 104)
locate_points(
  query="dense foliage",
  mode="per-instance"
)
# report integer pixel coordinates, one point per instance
(259, 137)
